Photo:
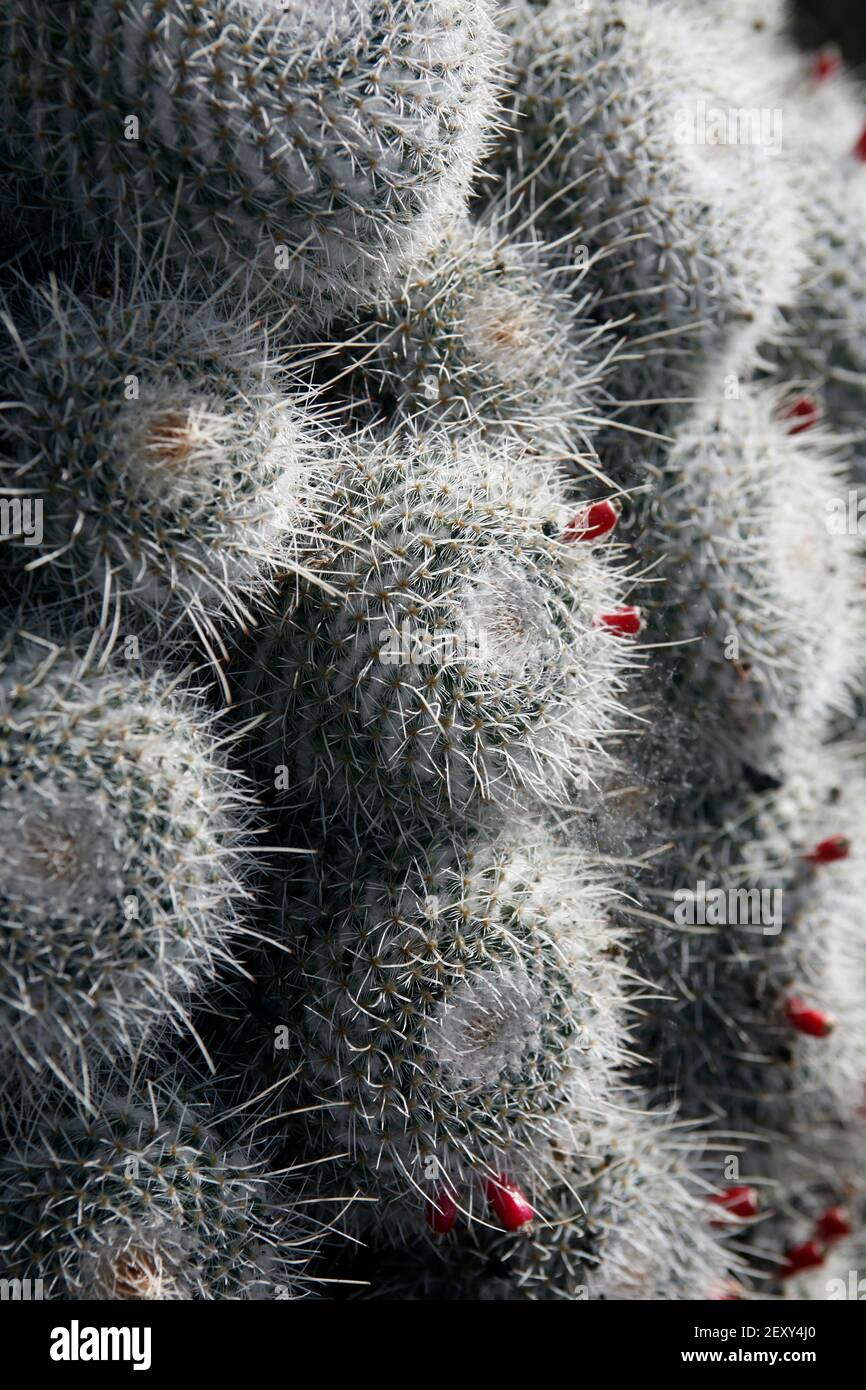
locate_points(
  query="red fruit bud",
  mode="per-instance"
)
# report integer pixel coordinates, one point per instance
(804, 412)
(738, 1204)
(594, 521)
(829, 850)
(441, 1213)
(832, 1225)
(812, 1022)
(509, 1203)
(625, 622)
(827, 63)
(808, 1255)
(859, 150)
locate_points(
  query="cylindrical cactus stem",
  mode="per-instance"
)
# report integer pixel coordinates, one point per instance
(822, 342)
(628, 1224)
(757, 587)
(487, 332)
(768, 1018)
(685, 230)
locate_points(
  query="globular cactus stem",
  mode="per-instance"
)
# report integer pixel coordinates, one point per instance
(171, 461)
(459, 653)
(124, 881)
(314, 142)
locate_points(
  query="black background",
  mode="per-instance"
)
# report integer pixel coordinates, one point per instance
(837, 21)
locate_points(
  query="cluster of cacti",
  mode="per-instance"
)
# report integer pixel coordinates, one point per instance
(431, 804)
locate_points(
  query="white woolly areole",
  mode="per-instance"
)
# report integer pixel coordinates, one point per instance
(144, 1263)
(507, 623)
(62, 857)
(487, 1025)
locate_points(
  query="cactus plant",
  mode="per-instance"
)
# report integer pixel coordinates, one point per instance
(610, 107)
(745, 533)
(456, 655)
(351, 433)
(143, 1201)
(460, 1014)
(489, 332)
(170, 466)
(760, 965)
(821, 344)
(315, 143)
(122, 886)
(646, 1211)
(630, 1221)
